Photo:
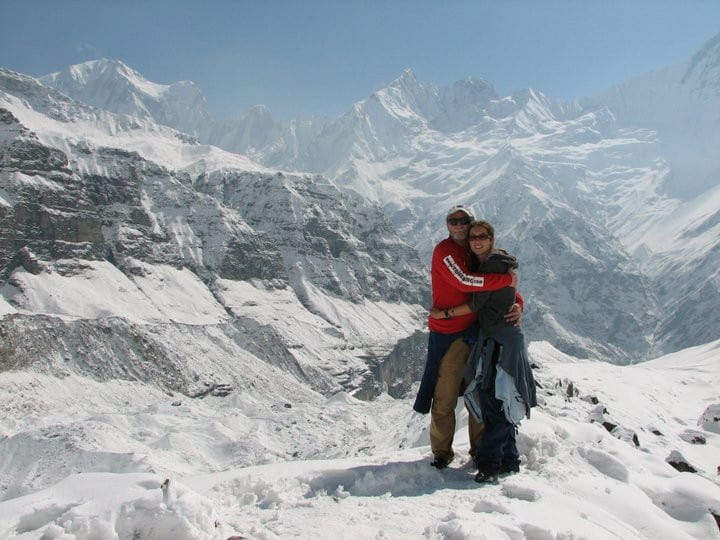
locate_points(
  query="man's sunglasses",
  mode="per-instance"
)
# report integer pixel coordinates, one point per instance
(458, 221)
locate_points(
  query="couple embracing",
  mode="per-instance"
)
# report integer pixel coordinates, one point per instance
(475, 349)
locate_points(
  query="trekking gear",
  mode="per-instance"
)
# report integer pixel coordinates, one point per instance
(441, 462)
(486, 477)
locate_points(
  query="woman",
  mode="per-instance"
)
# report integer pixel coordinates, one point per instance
(501, 387)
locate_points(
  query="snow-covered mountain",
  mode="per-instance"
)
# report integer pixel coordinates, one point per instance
(673, 227)
(113, 86)
(623, 186)
(589, 182)
(682, 104)
(116, 216)
(256, 128)
(414, 149)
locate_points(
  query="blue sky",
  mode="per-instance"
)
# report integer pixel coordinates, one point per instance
(318, 57)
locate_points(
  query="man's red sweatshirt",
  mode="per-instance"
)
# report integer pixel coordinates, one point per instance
(452, 284)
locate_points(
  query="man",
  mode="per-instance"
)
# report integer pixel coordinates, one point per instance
(452, 284)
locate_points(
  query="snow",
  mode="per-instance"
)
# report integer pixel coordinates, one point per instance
(85, 508)
(98, 289)
(364, 322)
(5, 307)
(168, 148)
(82, 72)
(341, 467)
(671, 233)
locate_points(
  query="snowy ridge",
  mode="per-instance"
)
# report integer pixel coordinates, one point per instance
(60, 122)
(672, 228)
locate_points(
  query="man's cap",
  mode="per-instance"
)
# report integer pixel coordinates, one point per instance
(460, 208)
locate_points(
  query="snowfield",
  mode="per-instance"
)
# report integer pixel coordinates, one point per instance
(83, 459)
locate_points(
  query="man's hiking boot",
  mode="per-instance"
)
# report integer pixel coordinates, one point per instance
(507, 470)
(486, 477)
(440, 462)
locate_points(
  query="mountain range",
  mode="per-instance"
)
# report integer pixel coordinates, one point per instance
(610, 202)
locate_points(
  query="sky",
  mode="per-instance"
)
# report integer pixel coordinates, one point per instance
(320, 56)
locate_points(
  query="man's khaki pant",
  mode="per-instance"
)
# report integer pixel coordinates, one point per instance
(442, 413)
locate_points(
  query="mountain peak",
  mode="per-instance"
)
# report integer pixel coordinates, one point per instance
(93, 68)
(103, 72)
(472, 90)
(408, 75)
(114, 86)
(474, 82)
(404, 97)
(103, 64)
(259, 110)
(406, 83)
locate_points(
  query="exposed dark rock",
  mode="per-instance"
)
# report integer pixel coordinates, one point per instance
(678, 462)
(403, 366)
(609, 426)
(30, 262)
(50, 214)
(252, 256)
(623, 434)
(693, 436)
(336, 241)
(93, 215)
(682, 466)
(7, 118)
(710, 418)
(26, 153)
(214, 389)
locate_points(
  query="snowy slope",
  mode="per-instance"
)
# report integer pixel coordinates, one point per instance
(62, 123)
(284, 462)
